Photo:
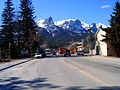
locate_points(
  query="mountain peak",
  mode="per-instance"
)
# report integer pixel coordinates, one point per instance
(59, 23)
(70, 24)
(48, 21)
(78, 22)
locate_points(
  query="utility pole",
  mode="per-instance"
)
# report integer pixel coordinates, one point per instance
(0, 53)
(9, 56)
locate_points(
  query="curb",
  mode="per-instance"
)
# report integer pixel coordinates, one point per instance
(106, 57)
(16, 64)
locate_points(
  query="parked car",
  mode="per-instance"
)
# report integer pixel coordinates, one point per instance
(80, 52)
(48, 51)
(40, 54)
(67, 53)
(53, 53)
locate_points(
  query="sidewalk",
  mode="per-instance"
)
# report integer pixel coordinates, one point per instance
(107, 57)
(7, 65)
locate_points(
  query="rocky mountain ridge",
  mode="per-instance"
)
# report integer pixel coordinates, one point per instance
(64, 31)
(70, 24)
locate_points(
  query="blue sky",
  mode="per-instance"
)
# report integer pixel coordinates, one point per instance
(89, 11)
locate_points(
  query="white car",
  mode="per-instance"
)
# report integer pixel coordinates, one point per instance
(40, 54)
(48, 51)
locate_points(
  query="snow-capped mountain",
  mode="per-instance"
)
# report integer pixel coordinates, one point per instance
(48, 22)
(65, 30)
(40, 23)
(71, 25)
(74, 25)
(66, 24)
(101, 25)
(45, 22)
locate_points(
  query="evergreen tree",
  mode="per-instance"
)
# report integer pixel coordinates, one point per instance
(115, 17)
(18, 35)
(91, 40)
(7, 32)
(113, 33)
(28, 25)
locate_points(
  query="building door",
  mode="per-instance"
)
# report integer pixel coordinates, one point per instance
(97, 50)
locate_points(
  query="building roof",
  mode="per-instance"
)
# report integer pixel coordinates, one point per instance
(99, 30)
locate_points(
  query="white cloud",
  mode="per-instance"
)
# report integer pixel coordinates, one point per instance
(105, 6)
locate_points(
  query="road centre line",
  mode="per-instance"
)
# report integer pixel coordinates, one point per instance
(88, 74)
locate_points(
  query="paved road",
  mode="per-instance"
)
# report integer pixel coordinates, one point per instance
(63, 73)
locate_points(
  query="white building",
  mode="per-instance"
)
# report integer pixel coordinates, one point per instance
(101, 47)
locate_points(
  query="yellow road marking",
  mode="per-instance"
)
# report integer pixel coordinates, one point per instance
(89, 75)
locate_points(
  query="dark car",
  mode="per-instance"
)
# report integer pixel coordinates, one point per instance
(80, 52)
(67, 53)
(40, 54)
(53, 53)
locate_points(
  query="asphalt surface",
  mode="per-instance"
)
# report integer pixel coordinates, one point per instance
(63, 73)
